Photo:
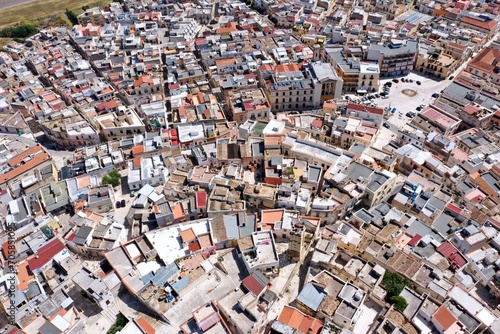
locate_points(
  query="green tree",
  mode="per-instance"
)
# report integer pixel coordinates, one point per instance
(394, 283)
(399, 302)
(72, 17)
(20, 31)
(272, 19)
(121, 321)
(113, 178)
(84, 8)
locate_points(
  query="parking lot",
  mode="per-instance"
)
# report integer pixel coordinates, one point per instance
(404, 104)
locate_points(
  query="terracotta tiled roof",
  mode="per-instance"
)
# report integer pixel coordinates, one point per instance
(451, 253)
(287, 68)
(178, 211)
(37, 160)
(45, 254)
(444, 317)
(485, 60)
(24, 276)
(272, 216)
(5, 249)
(252, 285)
(145, 326)
(20, 157)
(371, 110)
(142, 80)
(298, 320)
(137, 149)
(137, 162)
(481, 24)
(187, 235)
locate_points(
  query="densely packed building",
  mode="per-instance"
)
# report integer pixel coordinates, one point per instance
(243, 167)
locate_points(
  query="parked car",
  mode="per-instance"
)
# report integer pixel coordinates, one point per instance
(388, 84)
(418, 83)
(123, 203)
(451, 77)
(395, 80)
(435, 95)
(410, 114)
(411, 80)
(118, 204)
(403, 80)
(387, 125)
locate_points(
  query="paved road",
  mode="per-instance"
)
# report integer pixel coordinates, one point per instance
(12, 3)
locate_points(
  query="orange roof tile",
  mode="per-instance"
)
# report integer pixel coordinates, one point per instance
(19, 158)
(471, 109)
(486, 60)
(329, 105)
(37, 160)
(142, 80)
(456, 45)
(194, 246)
(298, 320)
(137, 162)
(187, 235)
(83, 182)
(226, 30)
(271, 216)
(287, 68)
(145, 326)
(111, 104)
(137, 149)
(444, 317)
(225, 61)
(5, 249)
(485, 25)
(178, 211)
(317, 123)
(23, 276)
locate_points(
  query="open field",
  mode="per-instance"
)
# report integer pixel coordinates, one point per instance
(42, 8)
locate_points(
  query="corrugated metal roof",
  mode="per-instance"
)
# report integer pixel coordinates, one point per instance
(451, 253)
(231, 225)
(181, 284)
(162, 275)
(311, 296)
(414, 241)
